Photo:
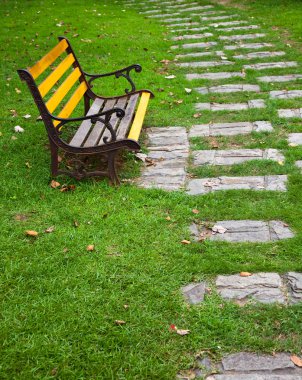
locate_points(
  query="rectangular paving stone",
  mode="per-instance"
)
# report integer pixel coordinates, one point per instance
(197, 8)
(256, 103)
(183, 24)
(226, 88)
(280, 78)
(261, 287)
(183, 5)
(242, 37)
(235, 156)
(295, 139)
(229, 129)
(194, 45)
(207, 185)
(192, 36)
(246, 27)
(176, 19)
(288, 113)
(215, 76)
(286, 94)
(188, 29)
(248, 46)
(205, 64)
(218, 17)
(260, 54)
(295, 286)
(228, 23)
(298, 164)
(256, 376)
(163, 15)
(208, 13)
(270, 65)
(248, 361)
(200, 54)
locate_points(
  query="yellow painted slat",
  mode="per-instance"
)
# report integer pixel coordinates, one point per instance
(52, 78)
(139, 117)
(48, 59)
(72, 102)
(57, 97)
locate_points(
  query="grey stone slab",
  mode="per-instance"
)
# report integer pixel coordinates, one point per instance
(257, 103)
(215, 76)
(163, 15)
(298, 164)
(235, 28)
(226, 88)
(218, 18)
(204, 64)
(286, 94)
(260, 54)
(288, 113)
(229, 129)
(248, 46)
(228, 23)
(280, 78)
(196, 45)
(247, 361)
(295, 287)
(208, 185)
(261, 287)
(179, 6)
(256, 376)
(188, 29)
(241, 37)
(189, 55)
(183, 24)
(234, 156)
(195, 292)
(279, 230)
(271, 65)
(217, 13)
(197, 8)
(192, 36)
(295, 139)
(176, 19)
(150, 12)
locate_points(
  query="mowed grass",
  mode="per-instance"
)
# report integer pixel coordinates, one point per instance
(60, 301)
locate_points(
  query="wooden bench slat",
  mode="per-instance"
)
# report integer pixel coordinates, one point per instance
(52, 78)
(125, 122)
(72, 102)
(85, 126)
(98, 129)
(139, 117)
(121, 103)
(58, 96)
(48, 59)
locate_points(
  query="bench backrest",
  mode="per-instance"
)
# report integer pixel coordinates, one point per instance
(55, 82)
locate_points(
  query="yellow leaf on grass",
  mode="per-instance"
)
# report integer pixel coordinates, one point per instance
(245, 274)
(185, 242)
(54, 184)
(31, 233)
(296, 360)
(195, 211)
(119, 322)
(90, 247)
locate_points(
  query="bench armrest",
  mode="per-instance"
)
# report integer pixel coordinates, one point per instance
(103, 117)
(125, 72)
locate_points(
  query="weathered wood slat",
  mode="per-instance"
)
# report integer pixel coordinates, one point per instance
(58, 96)
(121, 103)
(72, 102)
(126, 121)
(48, 59)
(85, 126)
(98, 129)
(139, 117)
(52, 78)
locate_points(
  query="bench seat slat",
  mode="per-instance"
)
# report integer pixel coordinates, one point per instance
(52, 78)
(121, 103)
(139, 117)
(85, 126)
(126, 120)
(72, 102)
(98, 129)
(58, 96)
(48, 59)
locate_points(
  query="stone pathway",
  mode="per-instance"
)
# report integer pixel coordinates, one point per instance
(214, 107)
(288, 113)
(226, 88)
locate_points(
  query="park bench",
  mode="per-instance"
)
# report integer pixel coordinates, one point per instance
(108, 125)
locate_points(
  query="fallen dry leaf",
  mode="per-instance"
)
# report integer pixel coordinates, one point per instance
(170, 76)
(187, 375)
(165, 61)
(50, 229)
(296, 360)
(245, 274)
(54, 184)
(14, 113)
(90, 247)
(179, 101)
(195, 211)
(17, 90)
(20, 217)
(188, 90)
(119, 322)
(31, 233)
(27, 116)
(168, 218)
(219, 229)
(76, 223)
(67, 188)
(18, 129)
(126, 306)
(196, 115)
(182, 332)
(185, 241)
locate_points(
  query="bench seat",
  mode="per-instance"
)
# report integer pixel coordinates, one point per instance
(108, 125)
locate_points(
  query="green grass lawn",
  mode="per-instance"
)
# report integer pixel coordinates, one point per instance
(60, 301)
